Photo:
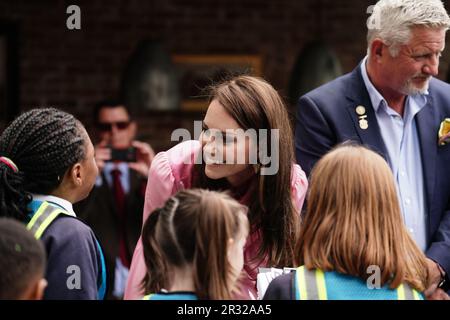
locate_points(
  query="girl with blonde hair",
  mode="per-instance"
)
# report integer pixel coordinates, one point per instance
(353, 243)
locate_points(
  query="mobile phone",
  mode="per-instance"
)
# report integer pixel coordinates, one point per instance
(125, 155)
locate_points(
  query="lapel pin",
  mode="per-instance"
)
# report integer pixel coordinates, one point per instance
(363, 124)
(360, 110)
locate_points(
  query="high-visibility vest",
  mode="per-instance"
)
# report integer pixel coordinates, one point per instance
(40, 221)
(312, 285)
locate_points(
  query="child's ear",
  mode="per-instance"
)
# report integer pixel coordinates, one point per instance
(76, 174)
(37, 291)
(230, 247)
(42, 285)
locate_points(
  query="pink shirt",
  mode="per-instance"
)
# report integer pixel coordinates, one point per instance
(170, 172)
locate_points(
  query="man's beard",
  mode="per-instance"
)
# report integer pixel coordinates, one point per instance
(411, 89)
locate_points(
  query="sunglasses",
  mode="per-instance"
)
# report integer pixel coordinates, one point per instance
(107, 126)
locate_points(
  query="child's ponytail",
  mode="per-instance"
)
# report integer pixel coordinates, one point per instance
(13, 198)
(154, 260)
(213, 269)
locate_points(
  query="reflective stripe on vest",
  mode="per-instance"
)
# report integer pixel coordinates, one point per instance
(405, 292)
(42, 219)
(310, 284)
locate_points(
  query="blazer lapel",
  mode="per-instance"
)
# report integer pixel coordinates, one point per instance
(358, 96)
(428, 146)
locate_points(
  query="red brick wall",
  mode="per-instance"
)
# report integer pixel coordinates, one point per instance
(74, 69)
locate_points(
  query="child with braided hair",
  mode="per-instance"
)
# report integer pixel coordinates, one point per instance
(47, 164)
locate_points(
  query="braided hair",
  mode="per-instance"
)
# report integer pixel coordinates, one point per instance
(44, 143)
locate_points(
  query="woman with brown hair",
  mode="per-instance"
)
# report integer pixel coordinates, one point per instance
(353, 243)
(193, 246)
(246, 117)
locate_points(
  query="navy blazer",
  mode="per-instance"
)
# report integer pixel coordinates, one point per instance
(326, 116)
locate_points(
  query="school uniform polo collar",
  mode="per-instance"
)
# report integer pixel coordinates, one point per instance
(59, 202)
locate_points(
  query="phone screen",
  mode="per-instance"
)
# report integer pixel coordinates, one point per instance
(125, 155)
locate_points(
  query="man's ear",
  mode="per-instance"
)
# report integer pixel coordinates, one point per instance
(376, 49)
(133, 129)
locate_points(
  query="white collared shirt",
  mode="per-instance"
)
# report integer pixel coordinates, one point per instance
(124, 177)
(60, 202)
(401, 138)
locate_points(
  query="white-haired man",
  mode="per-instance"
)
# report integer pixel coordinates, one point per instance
(392, 103)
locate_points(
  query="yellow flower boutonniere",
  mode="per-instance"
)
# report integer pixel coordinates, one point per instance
(444, 132)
